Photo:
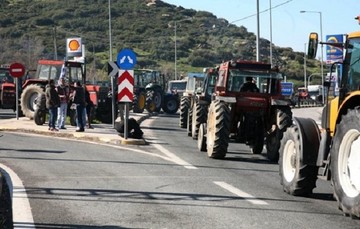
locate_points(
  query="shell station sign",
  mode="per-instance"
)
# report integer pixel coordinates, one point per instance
(73, 47)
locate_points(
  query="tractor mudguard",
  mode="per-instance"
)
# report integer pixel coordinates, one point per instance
(324, 148)
(309, 139)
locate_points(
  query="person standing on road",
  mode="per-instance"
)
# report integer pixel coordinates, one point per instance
(52, 103)
(89, 107)
(79, 100)
(63, 91)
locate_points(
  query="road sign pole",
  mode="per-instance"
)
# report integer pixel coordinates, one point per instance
(17, 98)
(113, 106)
(126, 132)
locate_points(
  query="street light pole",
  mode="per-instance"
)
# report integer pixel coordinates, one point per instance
(175, 51)
(322, 52)
(305, 65)
(258, 32)
(113, 83)
(271, 61)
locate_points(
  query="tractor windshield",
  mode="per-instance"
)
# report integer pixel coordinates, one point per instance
(180, 86)
(145, 77)
(265, 81)
(353, 55)
(5, 76)
(48, 71)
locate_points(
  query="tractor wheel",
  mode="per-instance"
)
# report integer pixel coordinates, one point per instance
(201, 144)
(258, 145)
(153, 101)
(218, 130)
(189, 122)
(171, 104)
(40, 116)
(184, 109)
(345, 163)
(198, 117)
(105, 113)
(297, 176)
(284, 120)
(28, 99)
(139, 102)
(72, 115)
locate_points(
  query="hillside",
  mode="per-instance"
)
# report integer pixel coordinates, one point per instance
(35, 29)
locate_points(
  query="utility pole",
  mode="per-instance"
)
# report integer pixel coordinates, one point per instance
(55, 45)
(305, 65)
(258, 31)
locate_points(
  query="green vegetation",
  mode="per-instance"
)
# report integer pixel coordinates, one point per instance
(32, 29)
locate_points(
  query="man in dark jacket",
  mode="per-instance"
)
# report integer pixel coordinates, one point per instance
(79, 100)
(52, 103)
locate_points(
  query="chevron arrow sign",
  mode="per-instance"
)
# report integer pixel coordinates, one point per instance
(125, 86)
(113, 69)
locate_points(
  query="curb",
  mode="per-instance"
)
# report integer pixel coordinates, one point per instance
(115, 140)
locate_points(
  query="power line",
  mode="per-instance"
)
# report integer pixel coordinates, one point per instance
(252, 15)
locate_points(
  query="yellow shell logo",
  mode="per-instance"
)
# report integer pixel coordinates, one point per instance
(74, 45)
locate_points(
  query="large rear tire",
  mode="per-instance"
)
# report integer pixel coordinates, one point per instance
(39, 116)
(139, 102)
(72, 117)
(201, 141)
(284, 120)
(258, 145)
(198, 117)
(345, 163)
(184, 109)
(189, 121)
(218, 130)
(171, 104)
(297, 177)
(153, 101)
(28, 99)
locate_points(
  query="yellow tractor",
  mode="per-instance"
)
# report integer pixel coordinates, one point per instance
(332, 151)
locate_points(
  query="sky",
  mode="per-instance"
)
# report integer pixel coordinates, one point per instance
(290, 28)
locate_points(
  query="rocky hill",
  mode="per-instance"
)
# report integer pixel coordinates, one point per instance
(35, 29)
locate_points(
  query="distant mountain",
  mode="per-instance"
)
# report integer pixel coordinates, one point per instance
(35, 29)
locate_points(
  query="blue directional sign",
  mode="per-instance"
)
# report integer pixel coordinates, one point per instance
(287, 88)
(126, 59)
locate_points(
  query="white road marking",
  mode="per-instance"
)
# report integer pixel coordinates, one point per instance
(173, 158)
(240, 193)
(21, 210)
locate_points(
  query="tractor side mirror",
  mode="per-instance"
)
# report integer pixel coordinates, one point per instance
(313, 44)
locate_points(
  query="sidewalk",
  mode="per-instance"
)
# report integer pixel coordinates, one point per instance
(104, 133)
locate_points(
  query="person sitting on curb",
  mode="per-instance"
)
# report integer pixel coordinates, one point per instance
(134, 130)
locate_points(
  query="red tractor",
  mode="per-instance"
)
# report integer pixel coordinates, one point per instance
(32, 99)
(247, 114)
(7, 89)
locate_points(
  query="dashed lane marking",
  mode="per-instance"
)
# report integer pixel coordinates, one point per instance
(240, 193)
(173, 158)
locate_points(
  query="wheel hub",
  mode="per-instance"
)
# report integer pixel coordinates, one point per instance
(289, 161)
(349, 163)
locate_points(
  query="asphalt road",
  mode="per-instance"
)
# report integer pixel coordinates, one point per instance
(166, 184)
